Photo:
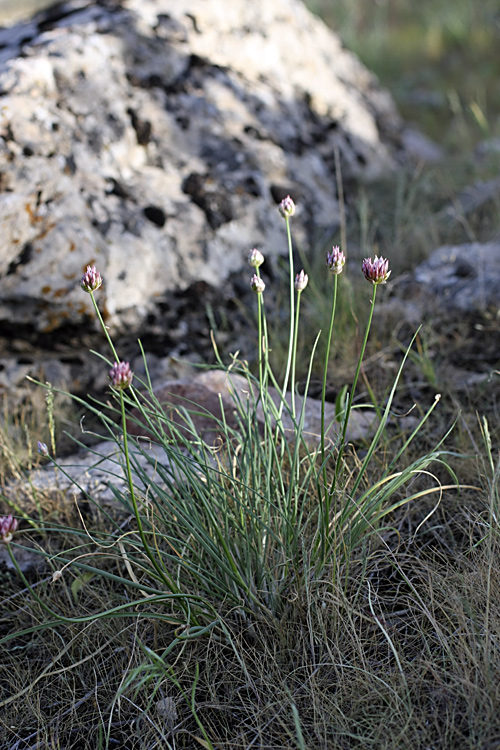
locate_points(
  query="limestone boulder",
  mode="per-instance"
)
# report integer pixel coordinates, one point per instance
(155, 138)
(461, 279)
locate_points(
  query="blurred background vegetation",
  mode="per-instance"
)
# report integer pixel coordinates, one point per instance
(439, 58)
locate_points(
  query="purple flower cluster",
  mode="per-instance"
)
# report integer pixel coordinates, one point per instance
(42, 449)
(91, 280)
(335, 260)
(257, 284)
(377, 270)
(121, 375)
(8, 526)
(287, 207)
(301, 281)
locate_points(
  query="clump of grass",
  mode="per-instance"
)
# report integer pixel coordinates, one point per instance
(261, 537)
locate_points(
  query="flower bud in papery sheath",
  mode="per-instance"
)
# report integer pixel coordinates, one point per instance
(42, 449)
(301, 281)
(335, 260)
(91, 279)
(257, 284)
(121, 375)
(8, 525)
(255, 258)
(287, 207)
(376, 270)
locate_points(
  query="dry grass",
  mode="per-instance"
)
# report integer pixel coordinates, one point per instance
(404, 654)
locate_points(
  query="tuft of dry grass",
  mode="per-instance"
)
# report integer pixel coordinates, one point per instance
(401, 655)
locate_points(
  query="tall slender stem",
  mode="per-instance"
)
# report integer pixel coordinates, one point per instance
(103, 326)
(351, 397)
(294, 353)
(261, 345)
(164, 576)
(325, 374)
(292, 314)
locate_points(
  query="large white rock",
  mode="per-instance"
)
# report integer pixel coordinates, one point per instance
(154, 139)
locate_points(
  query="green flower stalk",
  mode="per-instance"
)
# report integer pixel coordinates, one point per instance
(121, 378)
(258, 287)
(377, 272)
(301, 281)
(90, 283)
(287, 210)
(335, 262)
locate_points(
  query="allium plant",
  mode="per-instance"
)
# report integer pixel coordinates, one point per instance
(8, 526)
(335, 260)
(255, 258)
(376, 270)
(257, 284)
(287, 207)
(42, 449)
(91, 280)
(121, 375)
(244, 523)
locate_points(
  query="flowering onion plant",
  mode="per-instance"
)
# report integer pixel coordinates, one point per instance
(246, 523)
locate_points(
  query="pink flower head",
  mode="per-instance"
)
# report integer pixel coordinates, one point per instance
(91, 279)
(255, 258)
(121, 375)
(257, 284)
(42, 449)
(335, 261)
(8, 525)
(376, 270)
(287, 207)
(301, 281)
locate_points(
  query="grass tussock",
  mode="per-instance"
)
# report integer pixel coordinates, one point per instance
(251, 594)
(402, 655)
(256, 594)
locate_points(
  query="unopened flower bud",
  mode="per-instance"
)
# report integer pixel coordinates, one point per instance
(376, 270)
(91, 279)
(301, 281)
(257, 284)
(335, 260)
(121, 375)
(42, 449)
(8, 526)
(287, 207)
(255, 258)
